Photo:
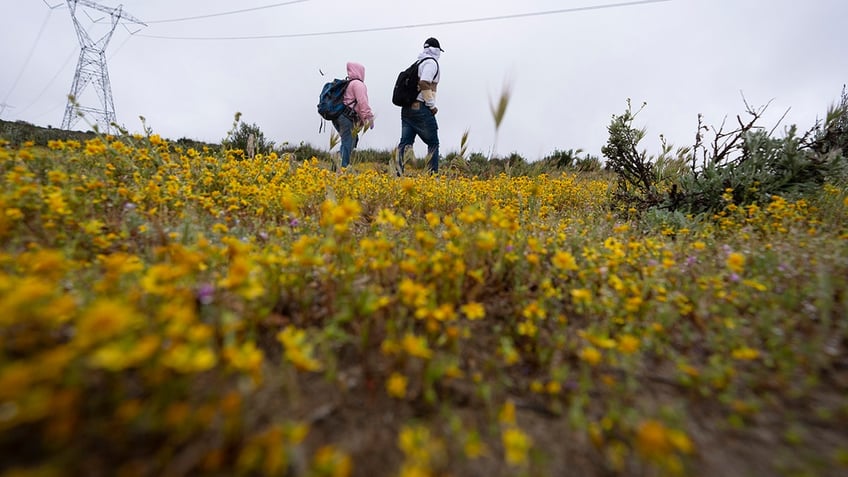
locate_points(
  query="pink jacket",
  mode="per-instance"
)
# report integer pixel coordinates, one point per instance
(357, 94)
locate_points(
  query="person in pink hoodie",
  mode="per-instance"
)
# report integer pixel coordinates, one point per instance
(357, 115)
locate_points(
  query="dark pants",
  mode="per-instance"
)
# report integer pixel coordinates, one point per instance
(419, 120)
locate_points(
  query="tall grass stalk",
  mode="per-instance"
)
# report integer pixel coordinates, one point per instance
(498, 110)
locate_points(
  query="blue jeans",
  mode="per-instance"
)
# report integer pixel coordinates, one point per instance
(420, 122)
(344, 126)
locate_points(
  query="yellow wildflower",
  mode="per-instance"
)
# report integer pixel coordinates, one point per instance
(246, 357)
(432, 219)
(536, 386)
(486, 240)
(509, 353)
(390, 347)
(416, 346)
(387, 217)
(14, 213)
(516, 446)
(396, 385)
(444, 312)
(564, 260)
(506, 416)
(653, 439)
(473, 310)
(755, 285)
(590, 355)
(601, 342)
(156, 140)
(103, 320)
(745, 354)
(331, 462)
(681, 441)
(298, 350)
(736, 262)
(628, 344)
(412, 293)
(581, 295)
(94, 147)
(56, 203)
(527, 328)
(474, 447)
(413, 470)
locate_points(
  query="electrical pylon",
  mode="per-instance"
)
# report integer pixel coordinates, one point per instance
(91, 68)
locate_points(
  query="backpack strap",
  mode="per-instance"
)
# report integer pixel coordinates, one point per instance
(430, 58)
(349, 107)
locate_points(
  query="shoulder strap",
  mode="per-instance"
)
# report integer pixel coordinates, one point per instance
(355, 101)
(430, 58)
(349, 80)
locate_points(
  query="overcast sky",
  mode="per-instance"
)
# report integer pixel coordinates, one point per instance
(569, 72)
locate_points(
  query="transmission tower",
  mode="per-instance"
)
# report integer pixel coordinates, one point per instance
(91, 68)
(3, 107)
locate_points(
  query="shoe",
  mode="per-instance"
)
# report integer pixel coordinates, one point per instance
(398, 166)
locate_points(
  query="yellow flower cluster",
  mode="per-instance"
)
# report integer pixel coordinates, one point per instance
(183, 288)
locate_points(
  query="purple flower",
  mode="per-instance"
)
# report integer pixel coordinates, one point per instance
(293, 223)
(205, 294)
(734, 278)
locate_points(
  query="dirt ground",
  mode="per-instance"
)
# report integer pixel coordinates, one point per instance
(356, 415)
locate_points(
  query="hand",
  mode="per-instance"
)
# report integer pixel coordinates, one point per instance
(434, 110)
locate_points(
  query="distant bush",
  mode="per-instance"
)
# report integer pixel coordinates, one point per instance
(304, 151)
(744, 165)
(374, 156)
(240, 138)
(571, 160)
(19, 132)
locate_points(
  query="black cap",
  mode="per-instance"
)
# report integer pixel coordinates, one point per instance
(434, 43)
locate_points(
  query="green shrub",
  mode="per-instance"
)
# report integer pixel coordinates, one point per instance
(239, 138)
(747, 164)
(571, 160)
(832, 136)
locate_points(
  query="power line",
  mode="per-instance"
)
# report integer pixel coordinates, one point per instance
(227, 13)
(29, 56)
(416, 25)
(3, 107)
(49, 83)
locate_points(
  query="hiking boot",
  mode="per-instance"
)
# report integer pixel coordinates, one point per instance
(398, 164)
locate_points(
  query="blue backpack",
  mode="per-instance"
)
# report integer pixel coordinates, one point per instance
(331, 101)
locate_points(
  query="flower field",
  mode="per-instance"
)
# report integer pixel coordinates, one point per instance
(170, 312)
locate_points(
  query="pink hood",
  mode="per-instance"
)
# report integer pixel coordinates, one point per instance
(357, 93)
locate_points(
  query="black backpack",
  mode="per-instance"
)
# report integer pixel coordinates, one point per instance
(406, 85)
